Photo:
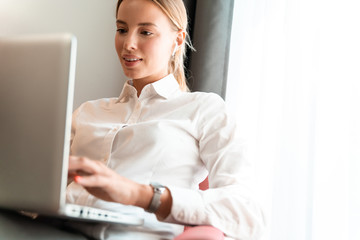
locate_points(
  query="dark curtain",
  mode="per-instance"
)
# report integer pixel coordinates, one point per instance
(210, 31)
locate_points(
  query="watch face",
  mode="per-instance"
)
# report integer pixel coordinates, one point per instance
(158, 187)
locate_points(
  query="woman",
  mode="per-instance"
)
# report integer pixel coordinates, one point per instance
(156, 131)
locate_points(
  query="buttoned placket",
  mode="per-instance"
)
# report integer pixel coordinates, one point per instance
(108, 143)
(133, 119)
(139, 103)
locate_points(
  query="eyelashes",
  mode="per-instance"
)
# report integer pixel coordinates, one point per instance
(146, 33)
(121, 30)
(143, 32)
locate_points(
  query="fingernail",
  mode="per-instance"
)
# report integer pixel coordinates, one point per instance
(77, 178)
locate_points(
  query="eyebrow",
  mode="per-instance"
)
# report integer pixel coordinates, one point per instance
(140, 24)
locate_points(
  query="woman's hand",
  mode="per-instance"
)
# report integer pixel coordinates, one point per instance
(106, 184)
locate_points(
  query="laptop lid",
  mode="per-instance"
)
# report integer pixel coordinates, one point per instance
(36, 96)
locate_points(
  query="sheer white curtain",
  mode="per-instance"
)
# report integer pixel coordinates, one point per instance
(294, 84)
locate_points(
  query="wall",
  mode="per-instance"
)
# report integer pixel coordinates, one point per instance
(99, 72)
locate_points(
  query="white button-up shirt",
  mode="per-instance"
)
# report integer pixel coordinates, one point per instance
(177, 139)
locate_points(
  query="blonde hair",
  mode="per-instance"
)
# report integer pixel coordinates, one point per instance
(176, 12)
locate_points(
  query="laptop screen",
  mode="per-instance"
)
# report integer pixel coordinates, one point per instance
(36, 96)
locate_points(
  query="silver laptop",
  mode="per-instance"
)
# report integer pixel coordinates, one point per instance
(36, 97)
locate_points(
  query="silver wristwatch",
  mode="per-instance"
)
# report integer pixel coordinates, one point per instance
(155, 201)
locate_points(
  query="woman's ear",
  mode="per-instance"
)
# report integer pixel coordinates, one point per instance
(180, 39)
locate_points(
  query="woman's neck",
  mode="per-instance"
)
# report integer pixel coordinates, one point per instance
(139, 84)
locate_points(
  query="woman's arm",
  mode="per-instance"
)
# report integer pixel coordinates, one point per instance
(230, 202)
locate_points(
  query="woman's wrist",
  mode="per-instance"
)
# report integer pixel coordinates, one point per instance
(144, 196)
(166, 204)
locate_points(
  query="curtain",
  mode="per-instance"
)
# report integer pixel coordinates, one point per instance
(210, 31)
(294, 86)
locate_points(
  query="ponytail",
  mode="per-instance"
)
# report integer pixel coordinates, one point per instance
(177, 67)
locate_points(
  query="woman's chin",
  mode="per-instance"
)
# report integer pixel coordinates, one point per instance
(132, 75)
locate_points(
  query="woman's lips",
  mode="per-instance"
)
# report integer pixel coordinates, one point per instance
(130, 60)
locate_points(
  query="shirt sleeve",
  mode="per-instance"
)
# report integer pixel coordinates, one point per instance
(228, 204)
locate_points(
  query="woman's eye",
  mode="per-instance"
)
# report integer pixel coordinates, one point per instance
(146, 33)
(121, 30)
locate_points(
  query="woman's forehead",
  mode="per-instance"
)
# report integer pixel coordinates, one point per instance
(143, 13)
(141, 10)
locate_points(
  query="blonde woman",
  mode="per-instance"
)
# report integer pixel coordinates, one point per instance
(157, 131)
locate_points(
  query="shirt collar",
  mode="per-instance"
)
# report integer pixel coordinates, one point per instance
(165, 87)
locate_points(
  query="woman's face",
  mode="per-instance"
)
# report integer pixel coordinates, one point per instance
(144, 41)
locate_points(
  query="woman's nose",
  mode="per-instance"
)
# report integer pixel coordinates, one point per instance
(130, 42)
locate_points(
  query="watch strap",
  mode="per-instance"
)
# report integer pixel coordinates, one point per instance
(155, 201)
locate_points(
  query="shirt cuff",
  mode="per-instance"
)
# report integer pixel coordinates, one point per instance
(187, 207)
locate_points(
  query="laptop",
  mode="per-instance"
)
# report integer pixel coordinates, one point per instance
(36, 103)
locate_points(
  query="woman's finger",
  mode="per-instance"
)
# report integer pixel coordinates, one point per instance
(83, 166)
(98, 185)
(94, 180)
